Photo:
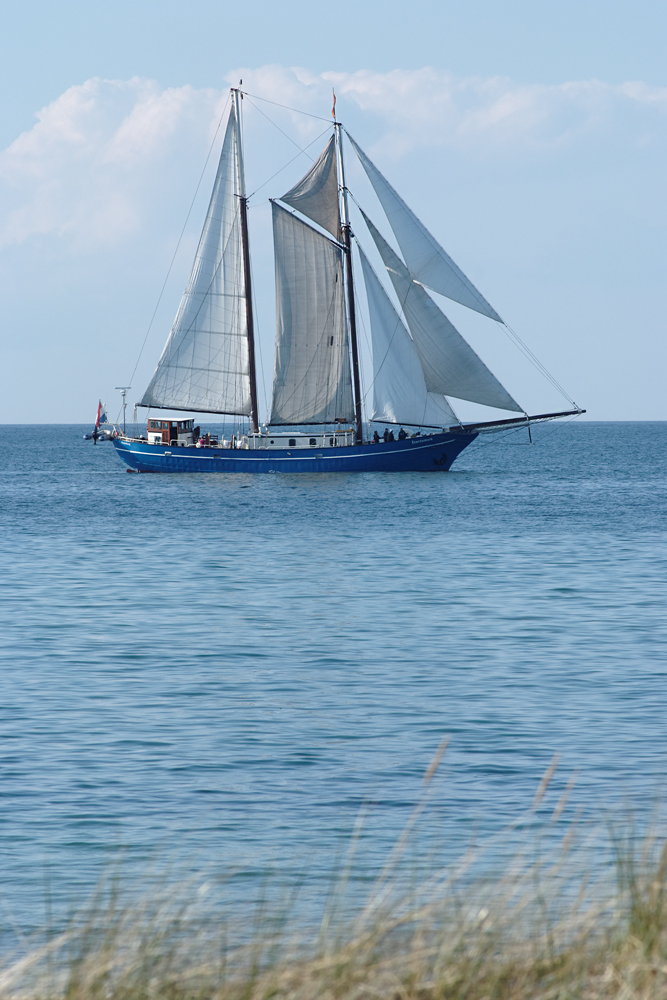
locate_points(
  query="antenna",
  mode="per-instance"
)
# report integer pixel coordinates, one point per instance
(123, 392)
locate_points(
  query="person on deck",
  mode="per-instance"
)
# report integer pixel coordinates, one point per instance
(391, 436)
(376, 437)
(402, 435)
(386, 435)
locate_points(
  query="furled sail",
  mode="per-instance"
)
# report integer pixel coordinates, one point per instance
(426, 260)
(316, 194)
(450, 365)
(399, 390)
(312, 379)
(204, 366)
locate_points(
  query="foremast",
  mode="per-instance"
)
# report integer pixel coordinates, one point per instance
(208, 363)
(250, 323)
(346, 240)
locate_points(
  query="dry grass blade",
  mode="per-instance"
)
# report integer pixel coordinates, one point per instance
(546, 780)
(436, 761)
(543, 929)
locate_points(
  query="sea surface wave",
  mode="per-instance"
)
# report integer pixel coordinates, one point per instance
(230, 669)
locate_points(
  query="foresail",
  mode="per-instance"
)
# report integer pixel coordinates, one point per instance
(399, 390)
(312, 379)
(450, 365)
(204, 366)
(316, 194)
(426, 260)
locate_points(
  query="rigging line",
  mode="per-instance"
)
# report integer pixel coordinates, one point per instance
(173, 348)
(407, 328)
(387, 352)
(366, 392)
(536, 361)
(367, 340)
(178, 384)
(288, 137)
(499, 437)
(286, 165)
(285, 106)
(519, 343)
(369, 347)
(495, 439)
(180, 238)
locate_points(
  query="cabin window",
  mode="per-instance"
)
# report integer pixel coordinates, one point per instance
(292, 442)
(331, 342)
(273, 442)
(331, 442)
(313, 441)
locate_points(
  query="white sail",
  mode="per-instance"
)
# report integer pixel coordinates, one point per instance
(399, 390)
(450, 365)
(312, 379)
(316, 194)
(204, 366)
(426, 260)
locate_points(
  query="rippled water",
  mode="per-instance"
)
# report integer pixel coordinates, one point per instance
(230, 666)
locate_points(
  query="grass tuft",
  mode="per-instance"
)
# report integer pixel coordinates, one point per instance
(547, 927)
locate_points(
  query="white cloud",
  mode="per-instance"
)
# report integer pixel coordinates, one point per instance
(431, 107)
(96, 156)
(82, 171)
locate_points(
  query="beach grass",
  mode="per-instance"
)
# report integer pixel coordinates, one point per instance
(554, 923)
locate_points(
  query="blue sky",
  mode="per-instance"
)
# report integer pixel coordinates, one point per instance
(530, 137)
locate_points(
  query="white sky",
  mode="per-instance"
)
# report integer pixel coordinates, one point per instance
(529, 137)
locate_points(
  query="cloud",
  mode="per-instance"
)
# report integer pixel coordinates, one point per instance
(90, 168)
(428, 107)
(83, 170)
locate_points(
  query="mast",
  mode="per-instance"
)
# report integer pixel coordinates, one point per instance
(246, 268)
(347, 244)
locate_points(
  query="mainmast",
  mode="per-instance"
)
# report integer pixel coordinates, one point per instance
(346, 234)
(254, 419)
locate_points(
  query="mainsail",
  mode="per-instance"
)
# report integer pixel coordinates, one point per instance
(450, 365)
(204, 366)
(426, 260)
(312, 379)
(316, 194)
(399, 390)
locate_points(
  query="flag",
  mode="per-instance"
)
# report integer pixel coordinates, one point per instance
(333, 110)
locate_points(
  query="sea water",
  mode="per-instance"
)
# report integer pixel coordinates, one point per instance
(230, 670)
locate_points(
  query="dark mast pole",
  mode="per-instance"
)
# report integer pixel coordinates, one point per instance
(254, 418)
(347, 244)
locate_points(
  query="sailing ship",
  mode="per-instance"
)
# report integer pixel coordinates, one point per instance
(316, 421)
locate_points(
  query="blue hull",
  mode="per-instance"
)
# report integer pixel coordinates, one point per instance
(429, 453)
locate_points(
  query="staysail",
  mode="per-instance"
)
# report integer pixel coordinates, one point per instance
(312, 379)
(450, 365)
(399, 390)
(204, 366)
(426, 260)
(316, 194)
